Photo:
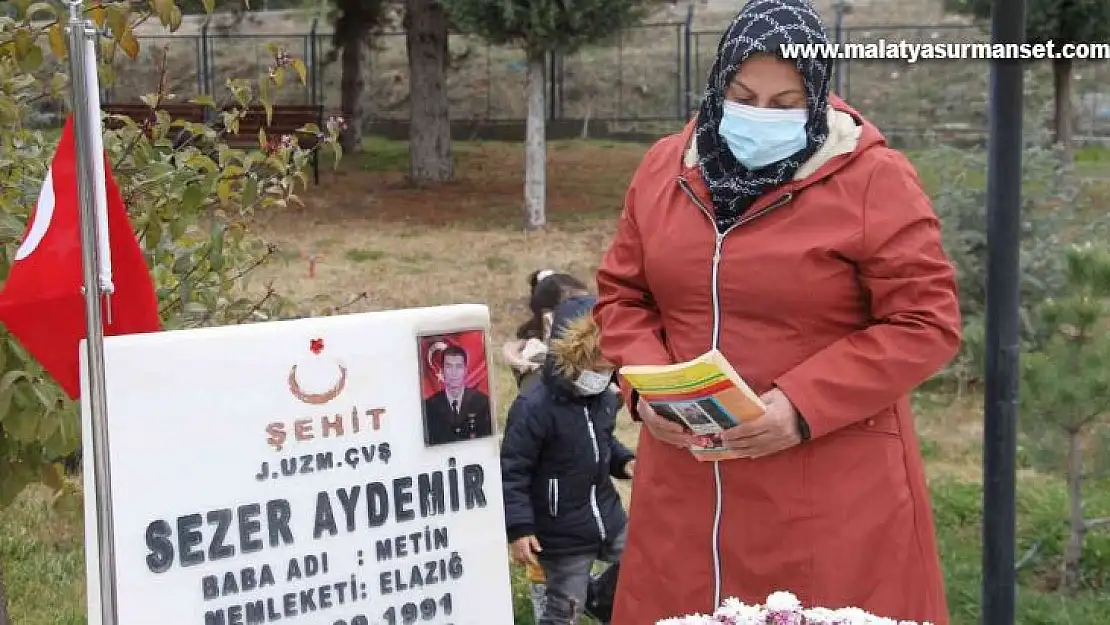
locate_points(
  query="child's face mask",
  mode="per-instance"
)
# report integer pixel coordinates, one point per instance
(593, 382)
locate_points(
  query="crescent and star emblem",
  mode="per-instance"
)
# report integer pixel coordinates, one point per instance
(316, 346)
(434, 349)
(44, 214)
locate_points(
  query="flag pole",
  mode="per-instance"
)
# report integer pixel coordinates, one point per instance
(86, 124)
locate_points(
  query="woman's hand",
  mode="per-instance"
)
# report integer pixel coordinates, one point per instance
(524, 550)
(664, 429)
(775, 431)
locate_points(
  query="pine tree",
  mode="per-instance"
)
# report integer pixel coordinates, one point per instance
(1065, 395)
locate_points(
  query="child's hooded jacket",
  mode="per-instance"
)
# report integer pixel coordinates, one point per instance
(559, 453)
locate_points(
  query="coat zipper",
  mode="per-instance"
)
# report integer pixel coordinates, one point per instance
(553, 497)
(717, 247)
(593, 486)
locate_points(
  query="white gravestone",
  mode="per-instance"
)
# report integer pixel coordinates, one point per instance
(279, 473)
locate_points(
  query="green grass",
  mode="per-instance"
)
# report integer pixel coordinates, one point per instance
(386, 155)
(1041, 527)
(42, 557)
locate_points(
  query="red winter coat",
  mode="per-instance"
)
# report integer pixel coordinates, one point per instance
(835, 289)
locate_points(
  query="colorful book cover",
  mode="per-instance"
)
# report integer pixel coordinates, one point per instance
(706, 395)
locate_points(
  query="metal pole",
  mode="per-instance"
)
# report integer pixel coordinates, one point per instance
(1002, 324)
(550, 86)
(313, 68)
(842, 8)
(838, 38)
(80, 30)
(687, 73)
(678, 84)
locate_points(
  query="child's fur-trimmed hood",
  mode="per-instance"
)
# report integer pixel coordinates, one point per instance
(573, 347)
(577, 349)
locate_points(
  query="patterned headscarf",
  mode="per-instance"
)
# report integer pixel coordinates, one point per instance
(761, 26)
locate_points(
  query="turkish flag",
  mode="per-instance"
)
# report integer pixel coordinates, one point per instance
(41, 302)
(473, 342)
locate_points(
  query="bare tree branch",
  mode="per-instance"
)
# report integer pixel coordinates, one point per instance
(1091, 524)
(270, 292)
(354, 300)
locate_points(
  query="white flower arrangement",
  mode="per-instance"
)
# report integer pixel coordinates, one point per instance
(782, 608)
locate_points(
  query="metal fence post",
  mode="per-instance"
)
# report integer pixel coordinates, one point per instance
(198, 45)
(842, 8)
(687, 70)
(678, 70)
(489, 82)
(313, 78)
(550, 80)
(207, 87)
(847, 67)
(620, 75)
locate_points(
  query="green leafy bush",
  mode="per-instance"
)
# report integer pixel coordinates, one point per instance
(188, 193)
(1057, 209)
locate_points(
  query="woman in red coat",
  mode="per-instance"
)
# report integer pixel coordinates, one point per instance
(779, 228)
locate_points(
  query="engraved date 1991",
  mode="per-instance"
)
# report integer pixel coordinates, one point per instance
(427, 610)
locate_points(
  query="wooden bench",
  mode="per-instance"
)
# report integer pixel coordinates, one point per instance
(139, 112)
(285, 119)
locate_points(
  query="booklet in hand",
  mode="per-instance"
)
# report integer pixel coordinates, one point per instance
(705, 395)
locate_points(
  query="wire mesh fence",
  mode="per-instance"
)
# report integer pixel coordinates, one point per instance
(649, 73)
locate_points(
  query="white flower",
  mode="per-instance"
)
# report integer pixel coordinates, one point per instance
(822, 616)
(689, 619)
(741, 613)
(853, 616)
(782, 601)
(783, 607)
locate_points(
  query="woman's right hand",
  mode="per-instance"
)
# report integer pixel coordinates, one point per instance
(664, 429)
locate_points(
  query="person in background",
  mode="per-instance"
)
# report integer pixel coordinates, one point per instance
(526, 354)
(558, 458)
(781, 229)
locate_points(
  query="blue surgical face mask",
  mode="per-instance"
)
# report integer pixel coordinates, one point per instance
(758, 137)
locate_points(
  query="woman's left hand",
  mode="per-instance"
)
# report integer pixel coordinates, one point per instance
(775, 431)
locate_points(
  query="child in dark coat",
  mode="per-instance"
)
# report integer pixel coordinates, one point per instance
(558, 459)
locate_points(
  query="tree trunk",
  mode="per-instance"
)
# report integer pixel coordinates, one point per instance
(4, 618)
(1073, 552)
(426, 40)
(1062, 79)
(355, 61)
(535, 147)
